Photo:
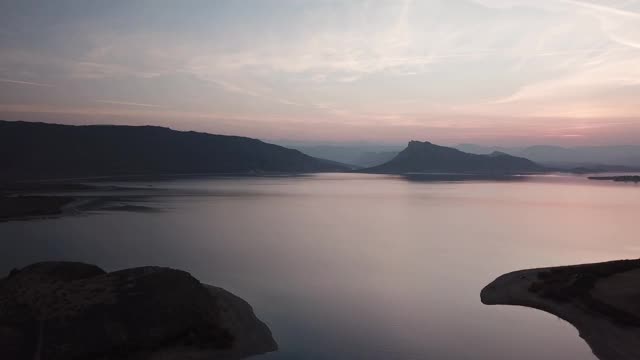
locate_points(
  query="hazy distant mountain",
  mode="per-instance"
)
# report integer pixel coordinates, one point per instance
(39, 150)
(594, 158)
(627, 155)
(359, 155)
(371, 158)
(425, 157)
(483, 150)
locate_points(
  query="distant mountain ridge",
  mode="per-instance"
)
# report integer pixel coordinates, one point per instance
(425, 157)
(623, 155)
(358, 155)
(41, 150)
(372, 158)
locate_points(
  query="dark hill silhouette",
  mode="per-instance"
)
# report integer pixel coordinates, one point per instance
(425, 157)
(39, 150)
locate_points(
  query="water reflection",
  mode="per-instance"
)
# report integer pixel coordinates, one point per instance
(362, 266)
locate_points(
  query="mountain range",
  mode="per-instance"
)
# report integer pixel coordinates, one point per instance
(596, 158)
(31, 150)
(624, 155)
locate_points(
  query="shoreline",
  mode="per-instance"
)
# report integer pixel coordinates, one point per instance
(621, 178)
(36, 201)
(29, 207)
(586, 296)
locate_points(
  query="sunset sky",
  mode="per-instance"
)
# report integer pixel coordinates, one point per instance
(498, 72)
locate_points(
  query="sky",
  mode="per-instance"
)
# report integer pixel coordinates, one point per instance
(491, 72)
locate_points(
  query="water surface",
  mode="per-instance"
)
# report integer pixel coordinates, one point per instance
(361, 266)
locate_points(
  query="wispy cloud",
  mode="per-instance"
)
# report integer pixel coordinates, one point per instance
(621, 26)
(111, 102)
(92, 70)
(604, 9)
(20, 82)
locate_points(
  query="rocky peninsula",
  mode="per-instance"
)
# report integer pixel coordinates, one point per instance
(600, 300)
(68, 310)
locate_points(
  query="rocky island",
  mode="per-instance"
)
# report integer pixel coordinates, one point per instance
(68, 310)
(600, 300)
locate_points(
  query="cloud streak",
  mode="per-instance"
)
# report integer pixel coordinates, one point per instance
(19, 82)
(112, 102)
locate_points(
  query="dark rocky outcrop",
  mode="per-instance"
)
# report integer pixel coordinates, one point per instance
(39, 151)
(66, 310)
(425, 157)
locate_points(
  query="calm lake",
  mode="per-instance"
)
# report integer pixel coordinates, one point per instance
(346, 266)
